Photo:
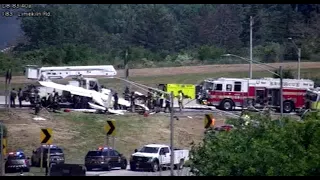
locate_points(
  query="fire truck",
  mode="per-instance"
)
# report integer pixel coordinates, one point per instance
(228, 93)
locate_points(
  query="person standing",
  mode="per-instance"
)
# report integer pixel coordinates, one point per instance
(20, 97)
(132, 99)
(116, 100)
(161, 101)
(180, 100)
(55, 102)
(154, 100)
(126, 94)
(167, 104)
(37, 103)
(13, 96)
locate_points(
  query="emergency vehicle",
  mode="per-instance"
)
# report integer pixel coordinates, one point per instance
(312, 99)
(17, 162)
(228, 93)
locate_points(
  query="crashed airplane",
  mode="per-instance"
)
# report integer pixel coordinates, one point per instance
(102, 99)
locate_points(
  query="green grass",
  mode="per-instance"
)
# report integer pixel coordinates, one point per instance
(89, 133)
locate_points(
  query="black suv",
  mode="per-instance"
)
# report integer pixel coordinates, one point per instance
(56, 155)
(105, 158)
(17, 162)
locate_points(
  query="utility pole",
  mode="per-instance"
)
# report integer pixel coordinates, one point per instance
(2, 154)
(299, 61)
(126, 68)
(281, 91)
(171, 134)
(298, 51)
(250, 66)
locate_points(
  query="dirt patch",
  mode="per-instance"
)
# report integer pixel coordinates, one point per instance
(193, 70)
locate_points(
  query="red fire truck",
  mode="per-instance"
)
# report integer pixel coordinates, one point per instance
(228, 93)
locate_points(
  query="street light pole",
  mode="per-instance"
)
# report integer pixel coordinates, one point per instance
(171, 134)
(250, 66)
(299, 61)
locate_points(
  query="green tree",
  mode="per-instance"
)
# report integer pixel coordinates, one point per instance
(265, 147)
(287, 74)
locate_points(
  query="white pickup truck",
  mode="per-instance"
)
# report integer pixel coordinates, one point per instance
(156, 156)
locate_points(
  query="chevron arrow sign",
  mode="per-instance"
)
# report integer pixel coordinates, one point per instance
(46, 136)
(110, 128)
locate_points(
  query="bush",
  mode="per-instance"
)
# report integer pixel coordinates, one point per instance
(286, 74)
(210, 53)
(271, 52)
(264, 148)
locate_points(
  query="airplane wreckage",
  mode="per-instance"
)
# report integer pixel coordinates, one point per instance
(101, 99)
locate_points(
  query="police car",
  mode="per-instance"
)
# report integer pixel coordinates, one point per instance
(56, 155)
(105, 158)
(17, 162)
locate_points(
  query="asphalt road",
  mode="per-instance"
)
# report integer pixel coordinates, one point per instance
(128, 172)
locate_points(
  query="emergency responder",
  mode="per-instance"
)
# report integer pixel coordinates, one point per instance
(154, 100)
(32, 94)
(55, 102)
(132, 100)
(167, 104)
(180, 99)
(20, 97)
(43, 102)
(161, 101)
(116, 100)
(49, 100)
(37, 103)
(148, 99)
(126, 94)
(13, 96)
(245, 118)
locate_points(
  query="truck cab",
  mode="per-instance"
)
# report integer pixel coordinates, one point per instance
(156, 156)
(312, 99)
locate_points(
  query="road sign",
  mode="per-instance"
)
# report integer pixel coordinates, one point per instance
(208, 121)
(46, 136)
(110, 128)
(4, 146)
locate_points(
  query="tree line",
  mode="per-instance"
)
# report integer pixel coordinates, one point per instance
(165, 34)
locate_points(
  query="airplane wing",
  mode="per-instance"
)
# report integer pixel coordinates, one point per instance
(96, 96)
(72, 89)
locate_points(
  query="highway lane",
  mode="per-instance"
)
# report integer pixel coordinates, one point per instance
(128, 172)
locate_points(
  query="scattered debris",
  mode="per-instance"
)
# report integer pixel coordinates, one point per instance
(39, 119)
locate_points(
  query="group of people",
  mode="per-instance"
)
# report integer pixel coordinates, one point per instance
(51, 101)
(155, 101)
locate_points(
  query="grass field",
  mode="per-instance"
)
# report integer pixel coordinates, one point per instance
(78, 133)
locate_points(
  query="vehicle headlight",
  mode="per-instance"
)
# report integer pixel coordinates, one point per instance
(150, 159)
